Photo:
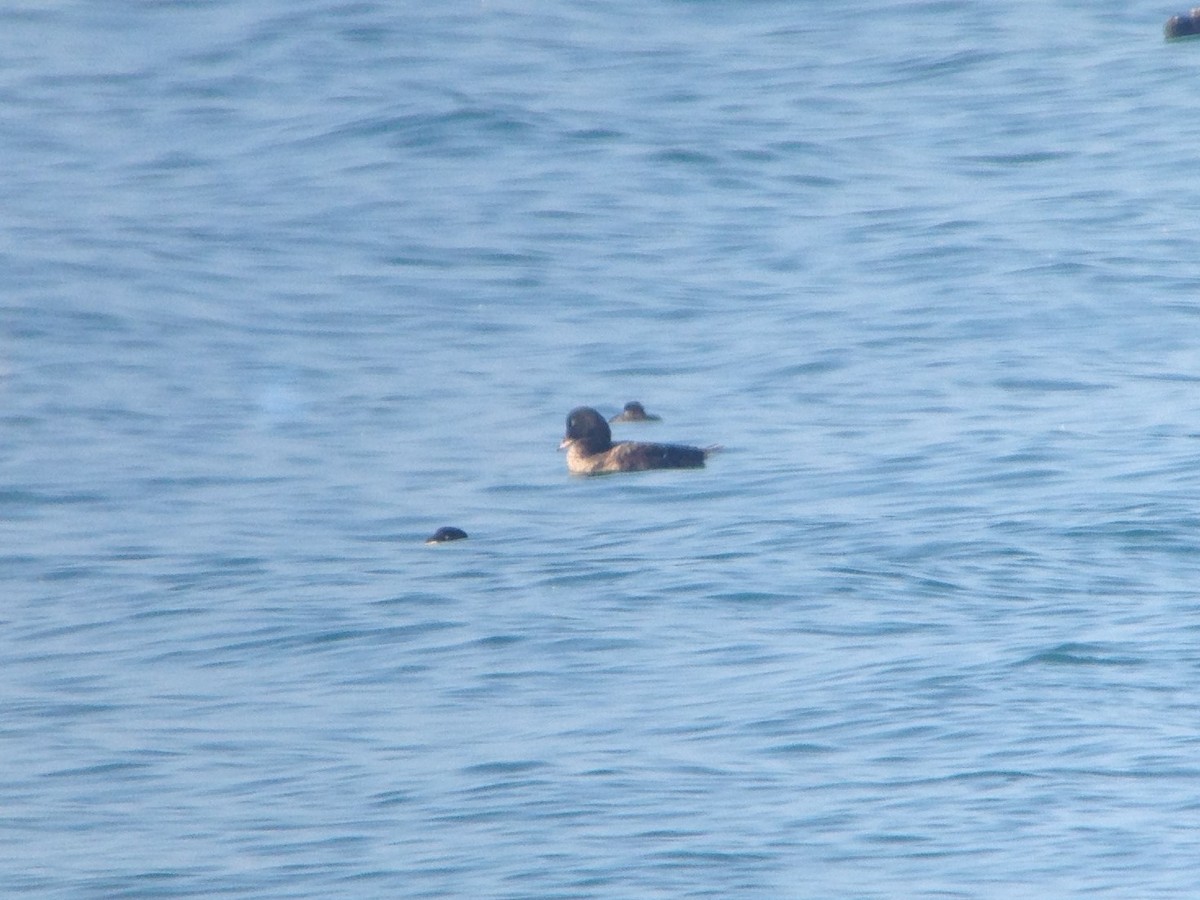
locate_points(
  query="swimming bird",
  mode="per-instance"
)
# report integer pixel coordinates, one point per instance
(635, 412)
(591, 451)
(1186, 25)
(446, 533)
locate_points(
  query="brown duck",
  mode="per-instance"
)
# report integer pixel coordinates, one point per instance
(591, 451)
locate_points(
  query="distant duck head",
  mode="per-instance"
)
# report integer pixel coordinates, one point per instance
(446, 533)
(634, 412)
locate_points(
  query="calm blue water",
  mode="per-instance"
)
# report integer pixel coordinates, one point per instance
(288, 285)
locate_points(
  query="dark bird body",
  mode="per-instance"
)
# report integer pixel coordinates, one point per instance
(1183, 26)
(447, 533)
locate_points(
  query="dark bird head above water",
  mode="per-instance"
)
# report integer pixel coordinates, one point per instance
(591, 451)
(587, 431)
(635, 412)
(446, 533)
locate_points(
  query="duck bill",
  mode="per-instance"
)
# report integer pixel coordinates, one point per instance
(566, 442)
